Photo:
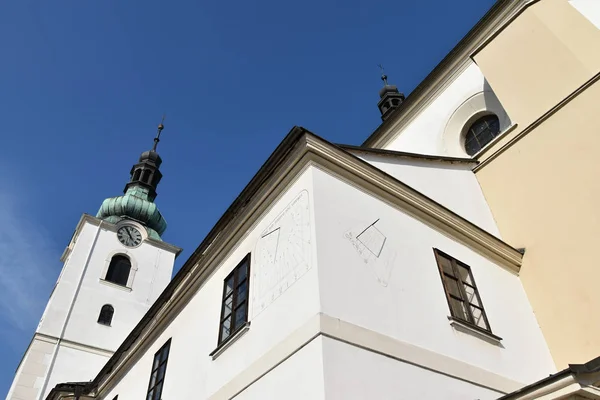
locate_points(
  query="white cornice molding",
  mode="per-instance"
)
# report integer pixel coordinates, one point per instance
(414, 203)
(309, 151)
(437, 81)
(368, 340)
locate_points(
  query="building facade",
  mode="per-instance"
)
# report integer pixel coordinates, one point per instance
(437, 260)
(531, 65)
(115, 267)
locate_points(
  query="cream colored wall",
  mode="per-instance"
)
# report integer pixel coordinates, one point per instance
(542, 181)
(546, 53)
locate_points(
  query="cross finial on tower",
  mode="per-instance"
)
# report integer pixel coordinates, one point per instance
(383, 75)
(160, 128)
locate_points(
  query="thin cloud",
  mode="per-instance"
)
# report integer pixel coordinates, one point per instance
(26, 259)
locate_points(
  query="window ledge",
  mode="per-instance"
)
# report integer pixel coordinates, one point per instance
(494, 141)
(230, 340)
(111, 284)
(464, 327)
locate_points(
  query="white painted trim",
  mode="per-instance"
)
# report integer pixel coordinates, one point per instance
(132, 271)
(476, 106)
(73, 345)
(465, 328)
(114, 285)
(369, 340)
(495, 140)
(236, 336)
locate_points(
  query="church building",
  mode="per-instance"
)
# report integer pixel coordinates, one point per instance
(450, 256)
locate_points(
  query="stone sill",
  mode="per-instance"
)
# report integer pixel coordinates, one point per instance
(465, 327)
(111, 284)
(230, 340)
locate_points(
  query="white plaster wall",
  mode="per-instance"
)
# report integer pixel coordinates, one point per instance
(590, 9)
(73, 365)
(57, 308)
(191, 372)
(453, 185)
(353, 373)
(93, 247)
(300, 377)
(400, 293)
(153, 270)
(429, 133)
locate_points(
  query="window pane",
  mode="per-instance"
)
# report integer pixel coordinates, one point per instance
(161, 372)
(446, 265)
(229, 286)
(481, 132)
(242, 271)
(242, 290)
(471, 295)
(150, 395)
(494, 127)
(226, 328)
(227, 305)
(465, 276)
(458, 309)
(164, 354)
(158, 391)
(240, 316)
(153, 379)
(478, 318)
(471, 145)
(452, 286)
(156, 361)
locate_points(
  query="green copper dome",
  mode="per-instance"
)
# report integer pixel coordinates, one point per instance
(137, 203)
(134, 204)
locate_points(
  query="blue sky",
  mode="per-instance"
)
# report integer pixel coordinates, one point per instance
(84, 84)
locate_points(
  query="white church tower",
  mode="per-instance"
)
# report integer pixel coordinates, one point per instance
(115, 267)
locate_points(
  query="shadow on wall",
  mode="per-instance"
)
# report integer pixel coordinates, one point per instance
(478, 105)
(493, 104)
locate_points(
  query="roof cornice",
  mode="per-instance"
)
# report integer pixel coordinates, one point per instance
(455, 62)
(298, 151)
(405, 155)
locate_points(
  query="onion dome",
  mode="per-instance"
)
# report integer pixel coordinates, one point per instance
(137, 202)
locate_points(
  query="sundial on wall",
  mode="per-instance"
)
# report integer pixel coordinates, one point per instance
(283, 253)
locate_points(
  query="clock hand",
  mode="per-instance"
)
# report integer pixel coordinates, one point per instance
(129, 233)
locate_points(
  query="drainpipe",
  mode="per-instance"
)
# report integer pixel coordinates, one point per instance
(64, 325)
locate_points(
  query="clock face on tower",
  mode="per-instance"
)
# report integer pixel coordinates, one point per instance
(129, 236)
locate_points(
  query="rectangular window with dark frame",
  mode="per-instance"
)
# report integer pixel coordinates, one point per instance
(234, 309)
(461, 291)
(159, 367)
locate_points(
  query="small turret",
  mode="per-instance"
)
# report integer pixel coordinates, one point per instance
(390, 97)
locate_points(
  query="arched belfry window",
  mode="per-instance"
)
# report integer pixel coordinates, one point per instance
(118, 270)
(146, 176)
(106, 315)
(481, 132)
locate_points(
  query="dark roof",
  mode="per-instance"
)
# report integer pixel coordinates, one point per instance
(573, 369)
(438, 70)
(384, 152)
(70, 387)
